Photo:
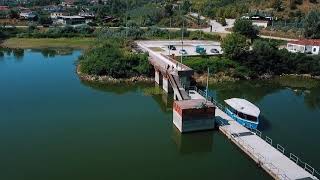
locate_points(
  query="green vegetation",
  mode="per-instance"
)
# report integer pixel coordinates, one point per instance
(235, 45)
(6, 32)
(217, 65)
(113, 57)
(58, 32)
(245, 28)
(266, 58)
(135, 32)
(312, 25)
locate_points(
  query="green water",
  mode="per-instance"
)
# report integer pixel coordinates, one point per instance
(53, 126)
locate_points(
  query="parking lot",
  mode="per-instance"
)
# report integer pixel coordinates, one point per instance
(189, 47)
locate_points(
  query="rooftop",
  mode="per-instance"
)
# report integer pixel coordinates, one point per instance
(243, 106)
(310, 42)
(71, 17)
(193, 104)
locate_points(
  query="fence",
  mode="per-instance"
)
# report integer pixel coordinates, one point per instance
(260, 159)
(249, 149)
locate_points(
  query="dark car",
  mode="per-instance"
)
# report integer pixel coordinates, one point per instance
(215, 51)
(172, 47)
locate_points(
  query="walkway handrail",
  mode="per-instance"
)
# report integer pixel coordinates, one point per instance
(291, 156)
(263, 161)
(279, 147)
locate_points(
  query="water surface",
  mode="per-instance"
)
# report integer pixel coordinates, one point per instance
(53, 126)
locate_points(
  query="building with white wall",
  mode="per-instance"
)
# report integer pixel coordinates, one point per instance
(308, 46)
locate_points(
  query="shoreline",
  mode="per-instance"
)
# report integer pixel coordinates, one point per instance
(110, 80)
(42, 43)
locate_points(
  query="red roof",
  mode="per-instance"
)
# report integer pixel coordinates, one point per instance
(4, 8)
(310, 42)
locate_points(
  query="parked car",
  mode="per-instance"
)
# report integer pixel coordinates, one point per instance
(215, 51)
(200, 50)
(172, 47)
(183, 51)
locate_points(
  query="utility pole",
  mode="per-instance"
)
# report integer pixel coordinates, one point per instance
(127, 20)
(207, 86)
(170, 39)
(182, 34)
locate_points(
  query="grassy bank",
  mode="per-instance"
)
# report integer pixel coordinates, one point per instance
(25, 43)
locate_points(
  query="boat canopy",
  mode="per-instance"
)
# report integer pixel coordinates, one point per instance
(243, 106)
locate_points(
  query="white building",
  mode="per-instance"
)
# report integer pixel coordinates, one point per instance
(28, 15)
(260, 23)
(55, 15)
(308, 46)
(70, 20)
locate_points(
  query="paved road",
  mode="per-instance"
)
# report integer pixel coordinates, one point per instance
(216, 28)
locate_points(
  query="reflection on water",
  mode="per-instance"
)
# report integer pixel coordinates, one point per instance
(193, 142)
(290, 111)
(52, 52)
(256, 90)
(164, 100)
(16, 52)
(46, 52)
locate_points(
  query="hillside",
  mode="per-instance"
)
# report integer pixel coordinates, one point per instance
(283, 9)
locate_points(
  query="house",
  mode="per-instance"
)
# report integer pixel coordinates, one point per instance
(308, 46)
(55, 15)
(70, 20)
(52, 8)
(259, 20)
(68, 3)
(89, 16)
(4, 8)
(28, 15)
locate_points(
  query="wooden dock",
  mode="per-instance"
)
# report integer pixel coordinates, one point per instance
(273, 161)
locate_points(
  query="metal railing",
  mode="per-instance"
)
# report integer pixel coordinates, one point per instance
(260, 159)
(291, 156)
(279, 147)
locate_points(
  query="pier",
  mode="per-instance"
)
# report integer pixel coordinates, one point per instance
(194, 110)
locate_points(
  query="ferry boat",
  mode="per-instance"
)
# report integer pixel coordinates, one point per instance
(243, 111)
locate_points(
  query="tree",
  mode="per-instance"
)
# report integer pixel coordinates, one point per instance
(312, 25)
(245, 27)
(234, 45)
(168, 9)
(264, 57)
(13, 14)
(45, 20)
(186, 5)
(277, 5)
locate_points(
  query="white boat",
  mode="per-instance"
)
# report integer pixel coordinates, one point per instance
(244, 112)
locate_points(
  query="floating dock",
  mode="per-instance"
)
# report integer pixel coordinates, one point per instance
(274, 162)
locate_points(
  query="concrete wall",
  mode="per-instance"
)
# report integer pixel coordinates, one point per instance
(192, 125)
(295, 48)
(260, 23)
(166, 85)
(158, 77)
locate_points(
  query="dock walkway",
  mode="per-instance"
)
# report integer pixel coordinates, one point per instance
(278, 165)
(272, 159)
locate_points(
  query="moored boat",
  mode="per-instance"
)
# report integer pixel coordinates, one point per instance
(244, 112)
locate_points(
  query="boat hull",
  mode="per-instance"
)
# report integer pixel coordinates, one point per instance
(243, 122)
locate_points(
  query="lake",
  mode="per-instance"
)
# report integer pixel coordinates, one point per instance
(53, 126)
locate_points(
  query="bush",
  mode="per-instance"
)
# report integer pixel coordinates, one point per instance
(58, 32)
(112, 58)
(245, 27)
